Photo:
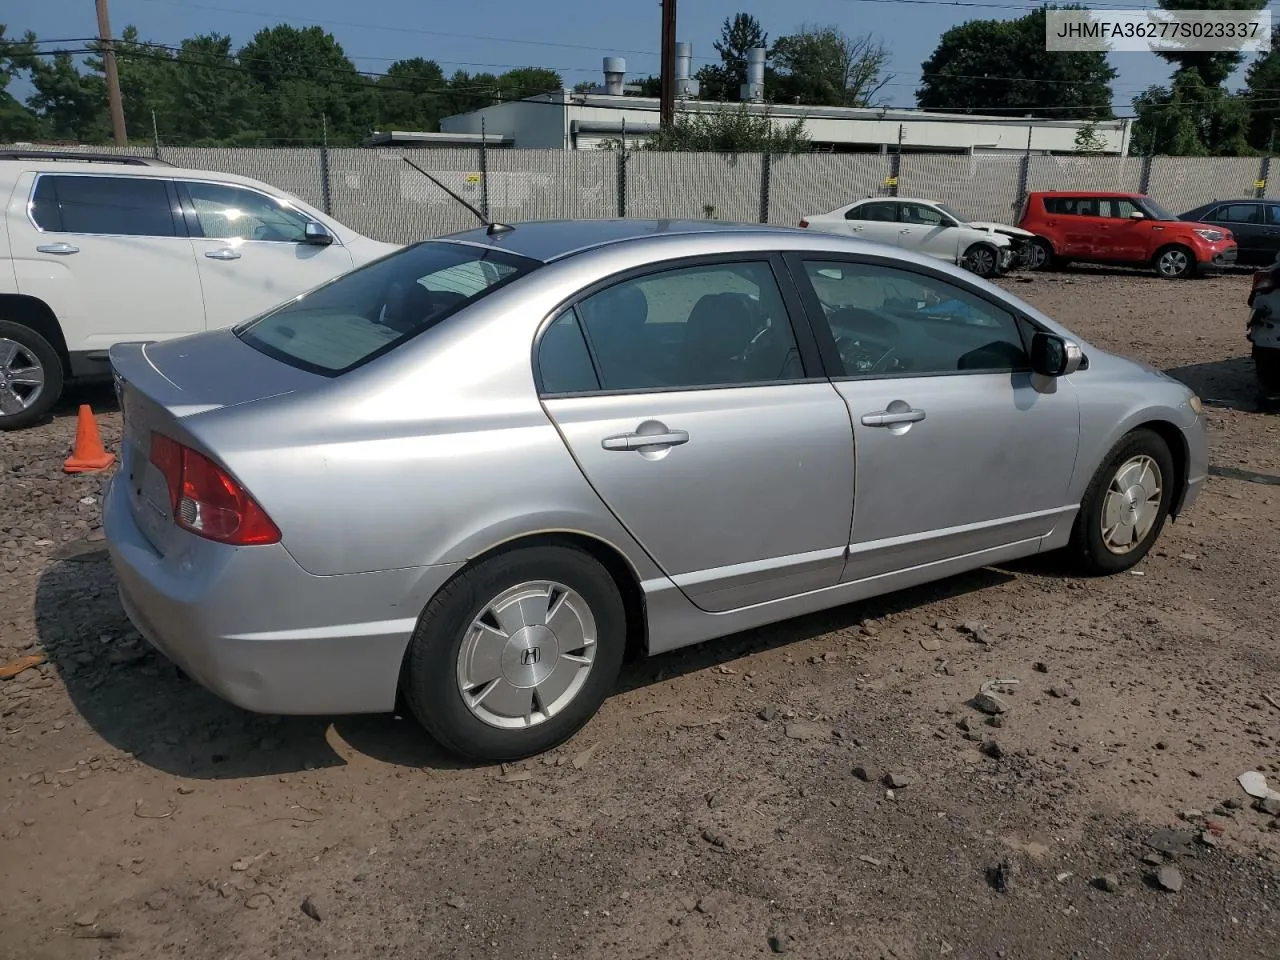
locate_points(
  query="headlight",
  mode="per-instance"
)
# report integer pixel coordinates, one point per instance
(1195, 405)
(1211, 235)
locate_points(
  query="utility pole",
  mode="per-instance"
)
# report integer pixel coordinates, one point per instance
(667, 115)
(113, 77)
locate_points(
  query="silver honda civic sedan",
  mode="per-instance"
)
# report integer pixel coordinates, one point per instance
(469, 477)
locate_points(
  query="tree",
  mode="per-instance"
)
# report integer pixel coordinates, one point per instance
(70, 104)
(527, 82)
(411, 96)
(16, 121)
(820, 65)
(740, 130)
(1262, 91)
(1190, 118)
(1088, 141)
(210, 98)
(1000, 67)
(724, 80)
(1212, 67)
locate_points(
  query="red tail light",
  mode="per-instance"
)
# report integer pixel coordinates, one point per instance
(206, 500)
(804, 223)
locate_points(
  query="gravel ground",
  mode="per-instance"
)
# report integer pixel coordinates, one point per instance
(715, 807)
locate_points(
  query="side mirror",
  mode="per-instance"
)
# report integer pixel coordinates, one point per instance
(318, 234)
(1137, 215)
(1054, 356)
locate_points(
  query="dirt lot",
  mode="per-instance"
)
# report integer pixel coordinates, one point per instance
(711, 809)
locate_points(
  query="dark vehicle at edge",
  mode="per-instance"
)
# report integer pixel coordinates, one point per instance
(1254, 222)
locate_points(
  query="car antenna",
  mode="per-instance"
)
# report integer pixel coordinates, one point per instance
(494, 228)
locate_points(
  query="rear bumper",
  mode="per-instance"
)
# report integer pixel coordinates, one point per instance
(254, 628)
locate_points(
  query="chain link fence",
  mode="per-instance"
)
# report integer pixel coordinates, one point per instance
(377, 193)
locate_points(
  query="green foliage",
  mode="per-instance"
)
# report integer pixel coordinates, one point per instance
(739, 130)
(723, 81)
(822, 66)
(1000, 67)
(1190, 118)
(16, 121)
(1262, 90)
(1088, 141)
(1213, 68)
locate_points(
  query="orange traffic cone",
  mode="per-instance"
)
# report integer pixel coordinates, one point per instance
(89, 454)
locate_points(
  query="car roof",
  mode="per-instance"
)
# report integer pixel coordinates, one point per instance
(548, 240)
(124, 168)
(1087, 193)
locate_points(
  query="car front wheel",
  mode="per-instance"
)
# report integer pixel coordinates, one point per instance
(1126, 505)
(515, 654)
(982, 259)
(1175, 263)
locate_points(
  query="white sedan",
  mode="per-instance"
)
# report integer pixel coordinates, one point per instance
(927, 227)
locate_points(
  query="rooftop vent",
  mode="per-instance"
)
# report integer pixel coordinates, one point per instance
(615, 69)
(686, 86)
(753, 89)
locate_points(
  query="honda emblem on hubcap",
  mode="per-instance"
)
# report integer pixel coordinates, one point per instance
(531, 656)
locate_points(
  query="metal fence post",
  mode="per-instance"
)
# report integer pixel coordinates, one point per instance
(766, 168)
(1264, 170)
(1144, 181)
(622, 179)
(484, 173)
(326, 199)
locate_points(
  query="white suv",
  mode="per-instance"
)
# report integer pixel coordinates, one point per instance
(97, 250)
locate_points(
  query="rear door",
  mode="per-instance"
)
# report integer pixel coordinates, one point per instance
(1074, 222)
(730, 460)
(110, 256)
(1246, 223)
(251, 250)
(957, 450)
(874, 220)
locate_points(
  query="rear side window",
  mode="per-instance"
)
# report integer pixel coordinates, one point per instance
(1238, 213)
(1072, 206)
(365, 313)
(564, 364)
(881, 212)
(114, 206)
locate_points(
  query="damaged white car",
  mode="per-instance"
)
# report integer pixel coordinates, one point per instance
(985, 248)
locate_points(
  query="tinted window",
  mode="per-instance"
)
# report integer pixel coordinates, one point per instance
(884, 212)
(1273, 215)
(888, 321)
(369, 311)
(1116, 207)
(919, 213)
(696, 326)
(1238, 213)
(225, 212)
(564, 365)
(1072, 206)
(119, 206)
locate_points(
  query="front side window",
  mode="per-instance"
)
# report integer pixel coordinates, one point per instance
(882, 212)
(226, 212)
(888, 322)
(1239, 213)
(715, 325)
(112, 206)
(373, 309)
(920, 214)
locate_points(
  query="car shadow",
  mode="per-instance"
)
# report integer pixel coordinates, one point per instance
(143, 705)
(1231, 383)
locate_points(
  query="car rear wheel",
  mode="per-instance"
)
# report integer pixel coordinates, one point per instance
(982, 259)
(1175, 262)
(30, 376)
(1039, 254)
(1266, 363)
(1126, 505)
(515, 654)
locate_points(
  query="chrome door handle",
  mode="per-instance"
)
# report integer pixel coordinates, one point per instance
(887, 419)
(635, 441)
(226, 253)
(58, 249)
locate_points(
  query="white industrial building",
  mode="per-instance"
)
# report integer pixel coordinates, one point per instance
(565, 120)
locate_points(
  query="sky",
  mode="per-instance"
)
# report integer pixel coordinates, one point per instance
(570, 36)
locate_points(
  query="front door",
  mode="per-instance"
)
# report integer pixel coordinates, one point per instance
(927, 230)
(251, 250)
(109, 255)
(958, 450)
(706, 430)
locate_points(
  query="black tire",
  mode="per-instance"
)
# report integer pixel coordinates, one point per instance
(1091, 553)
(1266, 363)
(982, 259)
(430, 676)
(1040, 255)
(32, 350)
(1181, 263)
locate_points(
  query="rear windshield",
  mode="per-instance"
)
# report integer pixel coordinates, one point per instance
(369, 311)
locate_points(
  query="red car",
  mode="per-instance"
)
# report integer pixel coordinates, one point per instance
(1093, 226)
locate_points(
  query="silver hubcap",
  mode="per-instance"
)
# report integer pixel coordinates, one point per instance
(981, 262)
(1131, 505)
(21, 378)
(1173, 262)
(1036, 256)
(527, 655)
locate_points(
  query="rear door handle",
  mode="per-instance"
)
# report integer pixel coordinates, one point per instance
(226, 253)
(887, 419)
(636, 441)
(58, 249)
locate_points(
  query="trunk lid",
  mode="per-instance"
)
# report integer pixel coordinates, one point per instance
(163, 387)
